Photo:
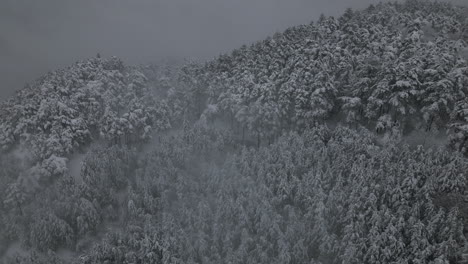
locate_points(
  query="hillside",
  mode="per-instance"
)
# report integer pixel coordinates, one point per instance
(391, 64)
(301, 148)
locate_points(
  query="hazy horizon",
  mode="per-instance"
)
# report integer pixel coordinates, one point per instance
(37, 37)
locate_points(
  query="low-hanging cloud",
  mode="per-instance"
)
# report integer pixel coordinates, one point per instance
(39, 36)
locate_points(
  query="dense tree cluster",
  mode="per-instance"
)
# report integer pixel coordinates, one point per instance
(391, 64)
(66, 109)
(298, 200)
(271, 154)
(72, 208)
(62, 113)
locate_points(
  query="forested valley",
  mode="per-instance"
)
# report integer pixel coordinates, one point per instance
(341, 141)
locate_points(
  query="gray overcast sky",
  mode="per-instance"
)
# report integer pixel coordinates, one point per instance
(38, 36)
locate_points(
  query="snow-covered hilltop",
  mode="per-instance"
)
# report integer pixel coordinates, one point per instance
(391, 64)
(69, 108)
(290, 150)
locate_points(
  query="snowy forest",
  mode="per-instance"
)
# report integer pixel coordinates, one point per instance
(341, 141)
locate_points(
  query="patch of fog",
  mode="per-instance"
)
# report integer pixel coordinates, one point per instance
(427, 139)
(14, 249)
(74, 166)
(24, 156)
(430, 34)
(156, 138)
(66, 254)
(464, 53)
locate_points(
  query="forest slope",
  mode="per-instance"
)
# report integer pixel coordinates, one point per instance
(231, 161)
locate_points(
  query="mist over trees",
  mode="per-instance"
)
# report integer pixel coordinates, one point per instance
(296, 149)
